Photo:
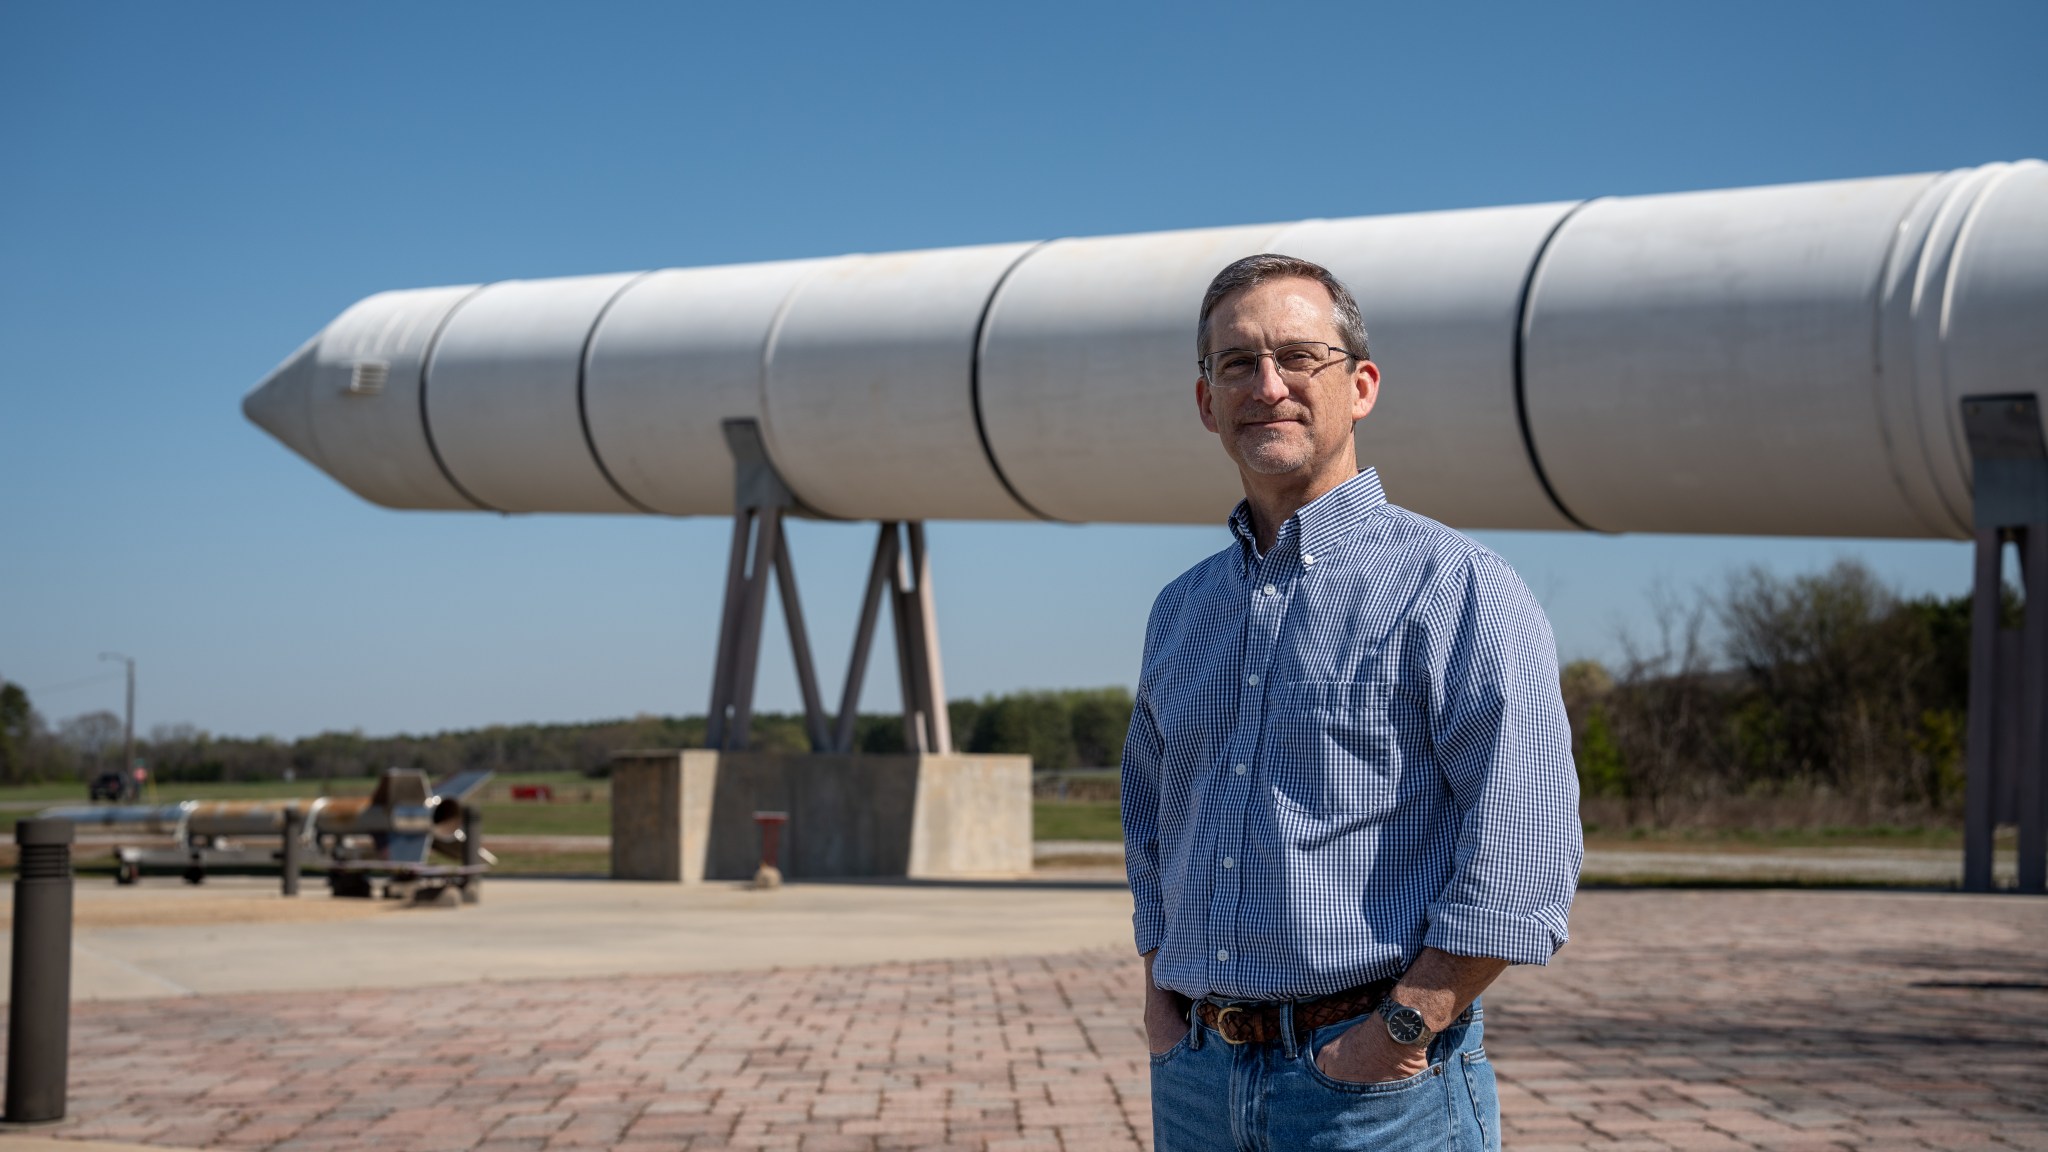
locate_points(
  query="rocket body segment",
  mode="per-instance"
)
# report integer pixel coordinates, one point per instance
(676, 354)
(1994, 309)
(1704, 360)
(1782, 360)
(1932, 466)
(504, 403)
(1087, 380)
(1442, 296)
(869, 401)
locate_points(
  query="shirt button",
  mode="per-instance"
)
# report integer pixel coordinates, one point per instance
(1239, 769)
(1230, 861)
(1223, 955)
(1270, 590)
(1252, 679)
(1307, 559)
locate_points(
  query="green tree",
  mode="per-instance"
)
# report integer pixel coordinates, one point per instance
(1101, 720)
(15, 730)
(1586, 686)
(1038, 724)
(1848, 688)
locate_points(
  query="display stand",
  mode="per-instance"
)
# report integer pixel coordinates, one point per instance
(760, 547)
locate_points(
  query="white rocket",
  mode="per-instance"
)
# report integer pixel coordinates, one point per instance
(1782, 360)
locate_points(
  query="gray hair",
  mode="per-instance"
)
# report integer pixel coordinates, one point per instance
(1253, 271)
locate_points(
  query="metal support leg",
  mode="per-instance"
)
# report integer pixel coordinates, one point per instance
(746, 598)
(931, 679)
(2008, 733)
(2033, 685)
(901, 568)
(746, 663)
(880, 573)
(294, 834)
(926, 727)
(39, 987)
(1980, 781)
(762, 499)
(800, 644)
(902, 613)
(729, 628)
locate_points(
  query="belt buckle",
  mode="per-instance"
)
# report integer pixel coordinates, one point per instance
(1222, 1014)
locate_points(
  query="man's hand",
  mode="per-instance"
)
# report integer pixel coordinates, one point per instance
(1166, 1014)
(1439, 985)
(1365, 1054)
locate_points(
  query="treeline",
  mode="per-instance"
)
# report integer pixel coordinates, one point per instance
(1817, 699)
(1822, 699)
(1057, 729)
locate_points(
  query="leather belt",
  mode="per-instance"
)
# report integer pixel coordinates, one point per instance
(1258, 1022)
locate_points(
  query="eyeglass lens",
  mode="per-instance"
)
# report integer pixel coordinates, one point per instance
(1241, 365)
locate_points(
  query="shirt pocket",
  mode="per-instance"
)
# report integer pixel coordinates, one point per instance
(1332, 747)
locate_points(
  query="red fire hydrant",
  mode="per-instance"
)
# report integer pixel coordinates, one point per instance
(769, 876)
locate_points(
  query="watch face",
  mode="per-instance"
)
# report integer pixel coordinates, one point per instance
(1405, 1025)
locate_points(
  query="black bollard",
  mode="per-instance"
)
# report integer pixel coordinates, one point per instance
(472, 852)
(39, 992)
(294, 828)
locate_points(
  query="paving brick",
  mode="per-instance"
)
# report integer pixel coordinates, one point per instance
(1676, 1021)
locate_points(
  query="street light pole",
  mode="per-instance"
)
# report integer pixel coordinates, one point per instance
(128, 782)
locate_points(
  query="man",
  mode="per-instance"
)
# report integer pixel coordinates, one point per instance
(1348, 793)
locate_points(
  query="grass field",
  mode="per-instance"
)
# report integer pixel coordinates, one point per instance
(1098, 820)
(572, 814)
(553, 864)
(1075, 820)
(568, 785)
(98, 864)
(561, 818)
(1746, 839)
(583, 808)
(20, 796)
(1050, 820)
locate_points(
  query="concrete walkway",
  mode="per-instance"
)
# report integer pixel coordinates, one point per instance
(636, 1017)
(235, 934)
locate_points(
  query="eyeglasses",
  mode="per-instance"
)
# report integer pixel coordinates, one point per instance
(1236, 367)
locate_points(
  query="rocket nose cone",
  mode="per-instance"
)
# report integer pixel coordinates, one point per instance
(281, 405)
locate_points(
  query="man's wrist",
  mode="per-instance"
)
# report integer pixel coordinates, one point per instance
(1438, 1006)
(1405, 1024)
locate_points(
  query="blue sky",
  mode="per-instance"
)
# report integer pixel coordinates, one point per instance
(188, 192)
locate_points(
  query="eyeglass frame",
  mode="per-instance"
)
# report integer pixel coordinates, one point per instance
(1274, 353)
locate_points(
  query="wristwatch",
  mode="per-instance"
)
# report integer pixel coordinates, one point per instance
(1405, 1024)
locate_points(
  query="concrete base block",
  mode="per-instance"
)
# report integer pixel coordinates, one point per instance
(688, 816)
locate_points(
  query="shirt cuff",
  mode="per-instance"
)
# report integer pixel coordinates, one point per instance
(1148, 925)
(1464, 930)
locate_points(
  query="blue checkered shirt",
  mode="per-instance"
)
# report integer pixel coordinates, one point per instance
(1345, 750)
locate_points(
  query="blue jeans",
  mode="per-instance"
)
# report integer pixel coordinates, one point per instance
(1211, 1096)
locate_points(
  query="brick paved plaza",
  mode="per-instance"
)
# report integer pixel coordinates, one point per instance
(1776, 1020)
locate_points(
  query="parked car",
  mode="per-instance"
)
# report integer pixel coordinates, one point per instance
(109, 786)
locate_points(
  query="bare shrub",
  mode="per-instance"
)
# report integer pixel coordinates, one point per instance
(1816, 700)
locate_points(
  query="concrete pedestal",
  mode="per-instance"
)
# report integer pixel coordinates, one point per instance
(688, 815)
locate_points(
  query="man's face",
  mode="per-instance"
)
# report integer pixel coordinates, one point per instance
(1274, 425)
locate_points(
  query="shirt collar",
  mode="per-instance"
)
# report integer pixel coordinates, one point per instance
(1317, 526)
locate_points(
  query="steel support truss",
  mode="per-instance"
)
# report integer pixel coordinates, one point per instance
(760, 550)
(2007, 741)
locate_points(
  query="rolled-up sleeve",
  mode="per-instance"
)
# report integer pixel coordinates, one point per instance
(1503, 743)
(1139, 801)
